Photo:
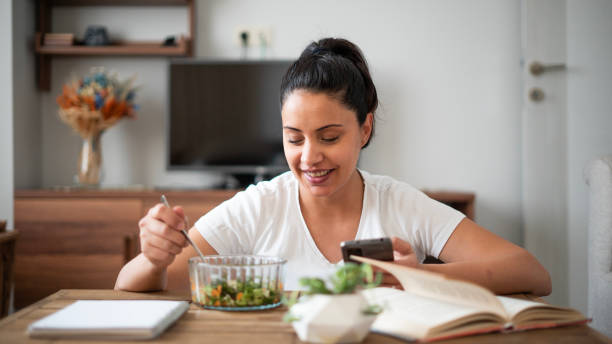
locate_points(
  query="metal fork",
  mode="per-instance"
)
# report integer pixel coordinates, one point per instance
(165, 202)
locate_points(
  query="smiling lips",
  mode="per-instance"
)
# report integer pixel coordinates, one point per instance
(318, 176)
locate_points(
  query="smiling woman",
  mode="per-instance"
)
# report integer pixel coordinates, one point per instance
(328, 102)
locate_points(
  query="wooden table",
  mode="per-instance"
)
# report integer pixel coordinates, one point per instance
(205, 326)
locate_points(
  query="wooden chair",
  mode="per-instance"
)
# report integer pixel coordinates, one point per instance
(131, 247)
(7, 259)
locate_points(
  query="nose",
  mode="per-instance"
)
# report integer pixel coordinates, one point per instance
(311, 154)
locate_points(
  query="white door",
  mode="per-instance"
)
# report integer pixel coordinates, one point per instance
(568, 124)
(544, 140)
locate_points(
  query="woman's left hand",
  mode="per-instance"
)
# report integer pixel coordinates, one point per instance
(403, 254)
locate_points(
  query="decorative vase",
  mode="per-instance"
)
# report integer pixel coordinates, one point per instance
(332, 318)
(90, 161)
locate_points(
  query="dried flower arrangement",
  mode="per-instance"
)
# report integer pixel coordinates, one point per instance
(95, 102)
(90, 105)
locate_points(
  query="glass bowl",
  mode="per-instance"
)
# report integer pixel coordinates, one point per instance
(237, 282)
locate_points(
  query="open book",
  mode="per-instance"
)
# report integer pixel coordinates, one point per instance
(433, 307)
(109, 319)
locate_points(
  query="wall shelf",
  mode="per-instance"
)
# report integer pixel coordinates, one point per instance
(117, 49)
(119, 2)
(45, 53)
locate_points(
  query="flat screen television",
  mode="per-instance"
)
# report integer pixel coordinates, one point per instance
(225, 116)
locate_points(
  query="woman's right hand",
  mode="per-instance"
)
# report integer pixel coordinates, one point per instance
(160, 236)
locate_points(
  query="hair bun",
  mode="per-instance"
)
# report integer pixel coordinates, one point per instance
(335, 46)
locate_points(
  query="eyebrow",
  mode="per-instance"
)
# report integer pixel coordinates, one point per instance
(320, 129)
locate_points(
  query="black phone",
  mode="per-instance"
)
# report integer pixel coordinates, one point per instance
(380, 249)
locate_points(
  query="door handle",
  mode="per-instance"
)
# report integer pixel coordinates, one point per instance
(536, 68)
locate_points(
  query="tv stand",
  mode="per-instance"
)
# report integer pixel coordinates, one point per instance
(64, 233)
(234, 181)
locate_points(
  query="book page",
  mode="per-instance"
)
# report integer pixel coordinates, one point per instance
(524, 312)
(514, 306)
(436, 286)
(413, 317)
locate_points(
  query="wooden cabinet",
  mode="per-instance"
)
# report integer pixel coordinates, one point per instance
(80, 239)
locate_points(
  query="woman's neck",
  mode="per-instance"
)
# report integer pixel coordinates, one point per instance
(347, 199)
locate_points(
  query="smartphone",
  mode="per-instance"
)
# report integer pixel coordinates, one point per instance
(380, 249)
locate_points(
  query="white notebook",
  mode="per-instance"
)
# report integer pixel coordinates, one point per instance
(109, 319)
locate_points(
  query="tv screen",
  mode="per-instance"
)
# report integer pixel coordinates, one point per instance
(225, 116)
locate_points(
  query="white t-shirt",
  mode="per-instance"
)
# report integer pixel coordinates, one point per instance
(266, 219)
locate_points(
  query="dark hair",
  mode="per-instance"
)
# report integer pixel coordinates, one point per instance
(337, 67)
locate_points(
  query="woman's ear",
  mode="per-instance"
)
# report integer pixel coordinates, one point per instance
(366, 129)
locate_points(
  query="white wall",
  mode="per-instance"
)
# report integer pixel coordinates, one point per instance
(26, 99)
(448, 77)
(447, 73)
(589, 110)
(6, 112)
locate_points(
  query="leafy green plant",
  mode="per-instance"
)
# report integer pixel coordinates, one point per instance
(347, 279)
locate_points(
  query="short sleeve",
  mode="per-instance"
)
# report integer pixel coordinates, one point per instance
(437, 223)
(230, 227)
(413, 216)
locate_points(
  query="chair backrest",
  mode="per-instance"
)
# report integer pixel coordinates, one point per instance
(598, 175)
(7, 260)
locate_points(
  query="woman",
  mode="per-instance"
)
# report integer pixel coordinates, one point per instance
(328, 102)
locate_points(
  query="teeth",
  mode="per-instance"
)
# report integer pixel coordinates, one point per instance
(318, 174)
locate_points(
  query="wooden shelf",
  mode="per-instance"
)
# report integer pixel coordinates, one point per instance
(119, 2)
(119, 49)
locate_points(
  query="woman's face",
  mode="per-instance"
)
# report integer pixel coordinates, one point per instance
(322, 140)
